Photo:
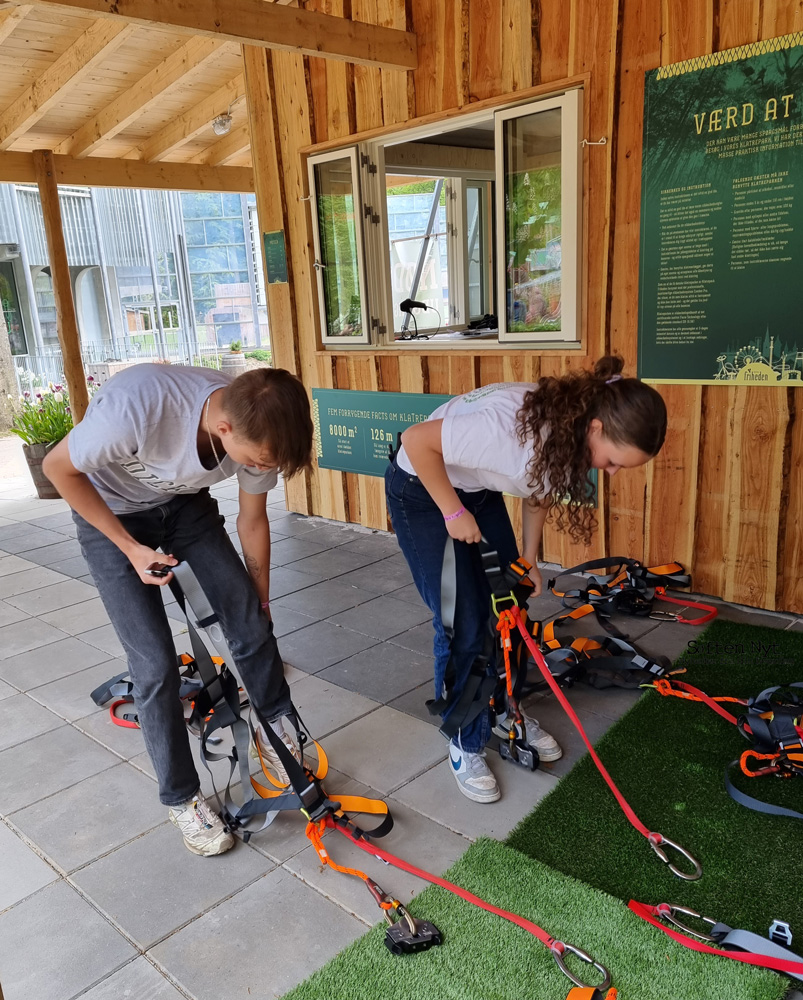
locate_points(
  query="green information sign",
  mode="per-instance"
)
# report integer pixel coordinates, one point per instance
(354, 430)
(721, 286)
(275, 256)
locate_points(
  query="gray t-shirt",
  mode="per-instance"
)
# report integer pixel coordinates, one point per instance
(138, 440)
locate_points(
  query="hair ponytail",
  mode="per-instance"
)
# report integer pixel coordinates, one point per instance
(559, 412)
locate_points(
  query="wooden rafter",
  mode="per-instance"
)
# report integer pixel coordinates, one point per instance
(94, 45)
(10, 18)
(125, 109)
(226, 148)
(101, 171)
(191, 123)
(269, 25)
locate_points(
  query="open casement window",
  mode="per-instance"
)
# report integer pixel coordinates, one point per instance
(338, 238)
(538, 219)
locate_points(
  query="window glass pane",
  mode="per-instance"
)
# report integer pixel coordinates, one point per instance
(532, 148)
(339, 249)
(418, 249)
(9, 302)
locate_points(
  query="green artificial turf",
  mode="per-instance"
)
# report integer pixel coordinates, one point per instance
(484, 957)
(668, 757)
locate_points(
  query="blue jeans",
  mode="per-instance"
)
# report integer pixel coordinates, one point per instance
(421, 532)
(191, 528)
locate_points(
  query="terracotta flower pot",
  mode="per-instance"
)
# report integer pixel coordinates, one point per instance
(34, 454)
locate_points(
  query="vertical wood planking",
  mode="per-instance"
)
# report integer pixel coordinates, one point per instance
(367, 79)
(398, 88)
(553, 19)
(790, 548)
(485, 37)
(441, 79)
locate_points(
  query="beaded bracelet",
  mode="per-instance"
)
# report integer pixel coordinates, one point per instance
(457, 513)
(265, 604)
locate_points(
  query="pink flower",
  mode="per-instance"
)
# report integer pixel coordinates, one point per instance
(89, 378)
(26, 395)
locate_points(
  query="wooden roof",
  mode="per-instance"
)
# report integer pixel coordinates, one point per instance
(91, 85)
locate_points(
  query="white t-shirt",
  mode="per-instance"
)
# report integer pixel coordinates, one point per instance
(480, 441)
(138, 441)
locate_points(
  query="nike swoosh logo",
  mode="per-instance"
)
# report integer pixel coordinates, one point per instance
(456, 764)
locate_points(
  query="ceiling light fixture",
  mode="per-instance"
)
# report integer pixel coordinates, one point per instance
(222, 124)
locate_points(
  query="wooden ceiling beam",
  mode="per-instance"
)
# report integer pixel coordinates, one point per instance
(98, 171)
(125, 108)
(191, 123)
(269, 25)
(10, 18)
(97, 43)
(226, 148)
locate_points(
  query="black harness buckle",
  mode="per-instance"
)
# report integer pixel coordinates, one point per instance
(406, 936)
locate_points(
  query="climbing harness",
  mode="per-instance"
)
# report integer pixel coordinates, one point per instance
(740, 945)
(773, 722)
(591, 993)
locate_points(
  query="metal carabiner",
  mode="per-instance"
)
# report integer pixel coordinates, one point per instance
(658, 840)
(663, 616)
(667, 911)
(559, 947)
(402, 914)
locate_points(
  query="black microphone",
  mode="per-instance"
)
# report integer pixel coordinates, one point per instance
(409, 304)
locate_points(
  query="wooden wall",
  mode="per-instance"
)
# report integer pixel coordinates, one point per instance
(725, 495)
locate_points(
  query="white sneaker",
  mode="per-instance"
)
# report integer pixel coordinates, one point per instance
(546, 745)
(203, 830)
(268, 754)
(473, 776)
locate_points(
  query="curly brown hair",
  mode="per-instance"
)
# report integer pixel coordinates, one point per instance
(559, 412)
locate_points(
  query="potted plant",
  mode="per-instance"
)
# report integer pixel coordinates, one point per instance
(43, 419)
(236, 347)
(234, 362)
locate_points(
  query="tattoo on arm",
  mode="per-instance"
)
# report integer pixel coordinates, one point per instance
(253, 566)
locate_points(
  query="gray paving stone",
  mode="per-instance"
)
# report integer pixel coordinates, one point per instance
(21, 719)
(382, 672)
(27, 579)
(419, 639)
(78, 618)
(28, 634)
(7, 691)
(69, 697)
(55, 522)
(285, 523)
(320, 645)
(27, 539)
(53, 598)
(10, 529)
(104, 638)
(356, 749)
(322, 599)
(33, 668)
(415, 703)
(288, 550)
(286, 580)
(332, 563)
(414, 837)
(22, 871)
(154, 885)
(9, 614)
(44, 765)
(332, 534)
(286, 621)
(128, 743)
(93, 817)
(435, 794)
(552, 718)
(74, 566)
(383, 577)
(409, 593)
(303, 930)
(383, 617)
(377, 544)
(138, 980)
(326, 707)
(13, 564)
(50, 554)
(54, 945)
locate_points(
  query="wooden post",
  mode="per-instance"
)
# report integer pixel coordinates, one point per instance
(62, 288)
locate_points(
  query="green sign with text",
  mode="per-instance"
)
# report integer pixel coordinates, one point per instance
(275, 256)
(721, 294)
(354, 430)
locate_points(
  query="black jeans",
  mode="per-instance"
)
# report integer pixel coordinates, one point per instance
(190, 527)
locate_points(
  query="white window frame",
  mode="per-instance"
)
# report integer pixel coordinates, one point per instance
(571, 107)
(349, 153)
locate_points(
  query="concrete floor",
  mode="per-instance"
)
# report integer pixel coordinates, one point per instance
(98, 896)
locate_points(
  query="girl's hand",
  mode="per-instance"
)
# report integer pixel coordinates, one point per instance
(464, 528)
(141, 557)
(537, 581)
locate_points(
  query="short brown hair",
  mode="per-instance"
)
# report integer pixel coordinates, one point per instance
(270, 406)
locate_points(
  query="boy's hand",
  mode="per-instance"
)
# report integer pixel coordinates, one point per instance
(141, 557)
(464, 528)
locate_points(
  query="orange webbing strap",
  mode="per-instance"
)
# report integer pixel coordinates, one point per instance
(664, 687)
(591, 993)
(279, 788)
(504, 626)
(549, 637)
(315, 831)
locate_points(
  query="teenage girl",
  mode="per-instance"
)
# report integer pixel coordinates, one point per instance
(537, 441)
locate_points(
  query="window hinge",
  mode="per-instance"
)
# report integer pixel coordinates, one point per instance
(366, 161)
(369, 213)
(379, 327)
